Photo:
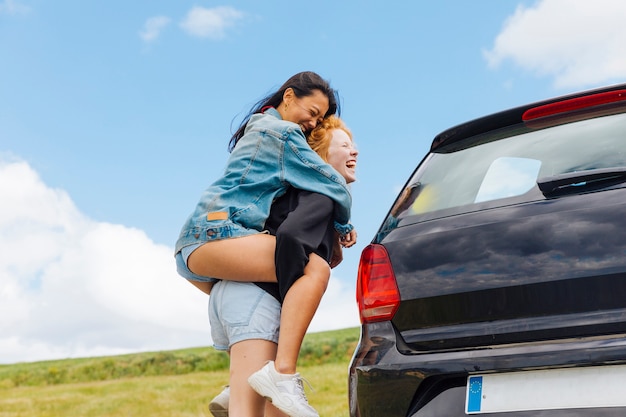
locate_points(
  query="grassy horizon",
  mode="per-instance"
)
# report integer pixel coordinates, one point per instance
(166, 383)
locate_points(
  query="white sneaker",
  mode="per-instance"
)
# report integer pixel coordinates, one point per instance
(285, 391)
(219, 405)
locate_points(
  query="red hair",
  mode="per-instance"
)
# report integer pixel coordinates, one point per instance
(320, 137)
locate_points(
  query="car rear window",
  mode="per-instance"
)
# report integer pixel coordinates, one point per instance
(502, 167)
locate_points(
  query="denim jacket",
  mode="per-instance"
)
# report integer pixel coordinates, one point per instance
(272, 155)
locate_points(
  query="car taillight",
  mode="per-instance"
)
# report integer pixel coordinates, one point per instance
(574, 104)
(376, 291)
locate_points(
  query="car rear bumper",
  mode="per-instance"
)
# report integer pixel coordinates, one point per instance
(383, 381)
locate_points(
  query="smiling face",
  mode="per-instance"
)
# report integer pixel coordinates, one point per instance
(307, 111)
(342, 154)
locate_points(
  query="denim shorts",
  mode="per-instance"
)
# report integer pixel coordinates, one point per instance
(241, 311)
(181, 265)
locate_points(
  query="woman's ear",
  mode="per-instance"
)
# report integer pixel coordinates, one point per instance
(288, 95)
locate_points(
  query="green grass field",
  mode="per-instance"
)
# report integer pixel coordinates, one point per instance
(160, 384)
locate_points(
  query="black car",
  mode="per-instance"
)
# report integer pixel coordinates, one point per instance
(497, 282)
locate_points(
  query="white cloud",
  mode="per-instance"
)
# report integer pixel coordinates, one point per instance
(71, 286)
(338, 309)
(577, 45)
(210, 23)
(153, 27)
(13, 7)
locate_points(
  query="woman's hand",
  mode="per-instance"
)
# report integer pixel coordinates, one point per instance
(349, 239)
(341, 242)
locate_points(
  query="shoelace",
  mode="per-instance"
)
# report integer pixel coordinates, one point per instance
(298, 380)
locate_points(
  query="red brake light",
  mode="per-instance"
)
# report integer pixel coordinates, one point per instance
(574, 104)
(376, 292)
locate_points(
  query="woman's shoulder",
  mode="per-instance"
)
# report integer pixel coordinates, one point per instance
(271, 123)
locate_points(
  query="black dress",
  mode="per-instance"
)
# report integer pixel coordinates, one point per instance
(302, 222)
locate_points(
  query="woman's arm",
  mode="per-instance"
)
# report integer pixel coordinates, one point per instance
(304, 169)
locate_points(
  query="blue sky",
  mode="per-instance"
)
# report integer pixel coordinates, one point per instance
(114, 116)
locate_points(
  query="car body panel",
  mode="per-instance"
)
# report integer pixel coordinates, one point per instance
(522, 280)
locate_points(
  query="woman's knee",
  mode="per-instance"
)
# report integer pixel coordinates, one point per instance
(205, 287)
(318, 268)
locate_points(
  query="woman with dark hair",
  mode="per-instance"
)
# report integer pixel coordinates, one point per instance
(224, 237)
(246, 318)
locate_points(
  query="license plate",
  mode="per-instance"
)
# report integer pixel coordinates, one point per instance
(549, 389)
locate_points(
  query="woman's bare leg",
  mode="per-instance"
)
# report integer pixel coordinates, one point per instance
(247, 357)
(247, 258)
(251, 258)
(299, 307)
